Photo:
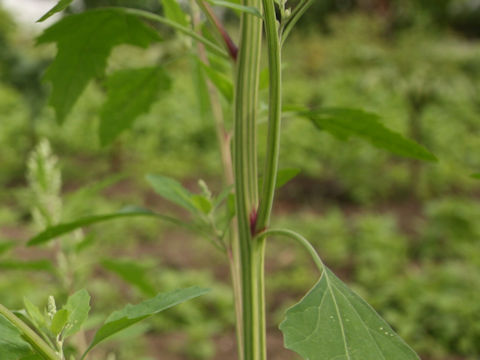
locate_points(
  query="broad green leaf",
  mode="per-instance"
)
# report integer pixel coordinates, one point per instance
(132, 314)
(221, 82)
(59, 321)
(332, 322)
(61, 5)
(173, 11)
(202, 203)
(133, 273)
(344, 123)
(130, 93)
(34, 313)
(234, 6)
(84, 42)
(29, 265)
(78, 307)
(172, 190)
(283, 177)
(12, 346)
(5, 246)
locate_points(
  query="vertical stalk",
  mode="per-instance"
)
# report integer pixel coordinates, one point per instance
(245, 171)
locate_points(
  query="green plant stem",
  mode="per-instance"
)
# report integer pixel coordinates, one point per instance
(32, 337)
(293, 19)
(185, 30)
(297, 237)
(248, 253)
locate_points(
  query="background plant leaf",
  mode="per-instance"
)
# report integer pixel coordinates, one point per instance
(133, 273)
(332, 322)
(173, 11)
(221, 82)
(283, 177)
(237, 7)
(130, 93)
(61, 5)
(84, 42)
(344, 123)
(132, 314)
(27, 265)
(78, 307)
(172, 190)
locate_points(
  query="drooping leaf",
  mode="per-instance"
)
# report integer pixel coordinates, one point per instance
(132, 314)
(130, 93)
(27, 265)
(133, 273)
(84, 42)
(78, 307)
(59, 321)
(173, 11)
(235, 6)
(283, 177)
(172, 190)
(221, 82)
(344, 123)
(57, 230)
(12, 346)
(61, 5)
(332, 322)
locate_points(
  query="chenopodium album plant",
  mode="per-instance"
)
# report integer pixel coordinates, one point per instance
(331, 321)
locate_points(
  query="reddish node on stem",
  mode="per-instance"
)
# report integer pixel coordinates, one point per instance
(253, 222)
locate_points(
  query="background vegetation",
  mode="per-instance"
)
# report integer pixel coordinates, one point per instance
(405, 235)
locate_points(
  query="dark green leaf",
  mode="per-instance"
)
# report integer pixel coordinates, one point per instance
(32, 265)
(283, 177)
(133, 273)
(78, 307)
(61, 5)
(84, 42)
(59, 321)
(234, 6)
(332, 322)
(343, 123)
(55, 231)
(221, 82)
(130, 93)
(132, 314)
(172, 190)
(12, 346)
(173, 11)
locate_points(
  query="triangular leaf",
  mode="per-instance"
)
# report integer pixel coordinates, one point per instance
(78, 307)
(130, 93)
(172, 190)
(132, 314)
(84, 42)
(332, 322)
(343, 123)
(61, 5)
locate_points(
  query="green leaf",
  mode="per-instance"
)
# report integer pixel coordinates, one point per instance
(172, 190)
(234, 6)
(57, 230)
(475, 176)
(34, 313)
(221, 82)
(84, 42)
(132, 314)
(283, 177)
(61, 5)
(173, 11)
(130, 93)
(133, 273)
(5, 246)
(343, 123)
(32, 265)
(332, 322)
(12, 346)
(78, 307)
(202, 203)
(59, 321)
(201, 89)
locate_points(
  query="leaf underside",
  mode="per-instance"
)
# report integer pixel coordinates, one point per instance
(333, 323)
(84, 42)
(344, 123)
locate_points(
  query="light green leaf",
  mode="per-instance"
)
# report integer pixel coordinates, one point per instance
(34, 313)
(343, 123)
(29, 265)
(12, 346)
(130, 93)
(332, 322)
(172, 190)
(234, 6)
(78, 307)
(221, 82)
(61, 5)
(202, 203)
(133, 273)
(132, 314)
(173, 11)
(57, 230)
(84, 42)
(59, 321)
(283, 177)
